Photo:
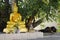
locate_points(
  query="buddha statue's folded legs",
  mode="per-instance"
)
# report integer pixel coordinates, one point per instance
(12, 26)
(21, 26)
(9, 27)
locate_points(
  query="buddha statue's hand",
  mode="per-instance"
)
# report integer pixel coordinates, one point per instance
(15, 20)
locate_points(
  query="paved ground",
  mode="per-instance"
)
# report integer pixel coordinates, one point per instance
(30, 36)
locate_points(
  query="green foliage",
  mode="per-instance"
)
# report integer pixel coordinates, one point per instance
(40, 7)
(2, 6)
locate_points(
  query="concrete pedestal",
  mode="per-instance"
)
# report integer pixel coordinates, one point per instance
(21, 36)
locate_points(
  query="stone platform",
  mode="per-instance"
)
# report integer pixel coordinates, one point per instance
(21, 36)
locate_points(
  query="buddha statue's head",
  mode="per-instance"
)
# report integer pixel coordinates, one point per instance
(15, 8)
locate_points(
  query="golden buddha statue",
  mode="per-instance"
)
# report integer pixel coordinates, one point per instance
(15, 22)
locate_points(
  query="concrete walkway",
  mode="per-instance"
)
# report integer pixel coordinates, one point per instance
(30, 36)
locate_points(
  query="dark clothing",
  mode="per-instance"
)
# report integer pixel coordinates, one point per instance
(48, 30)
